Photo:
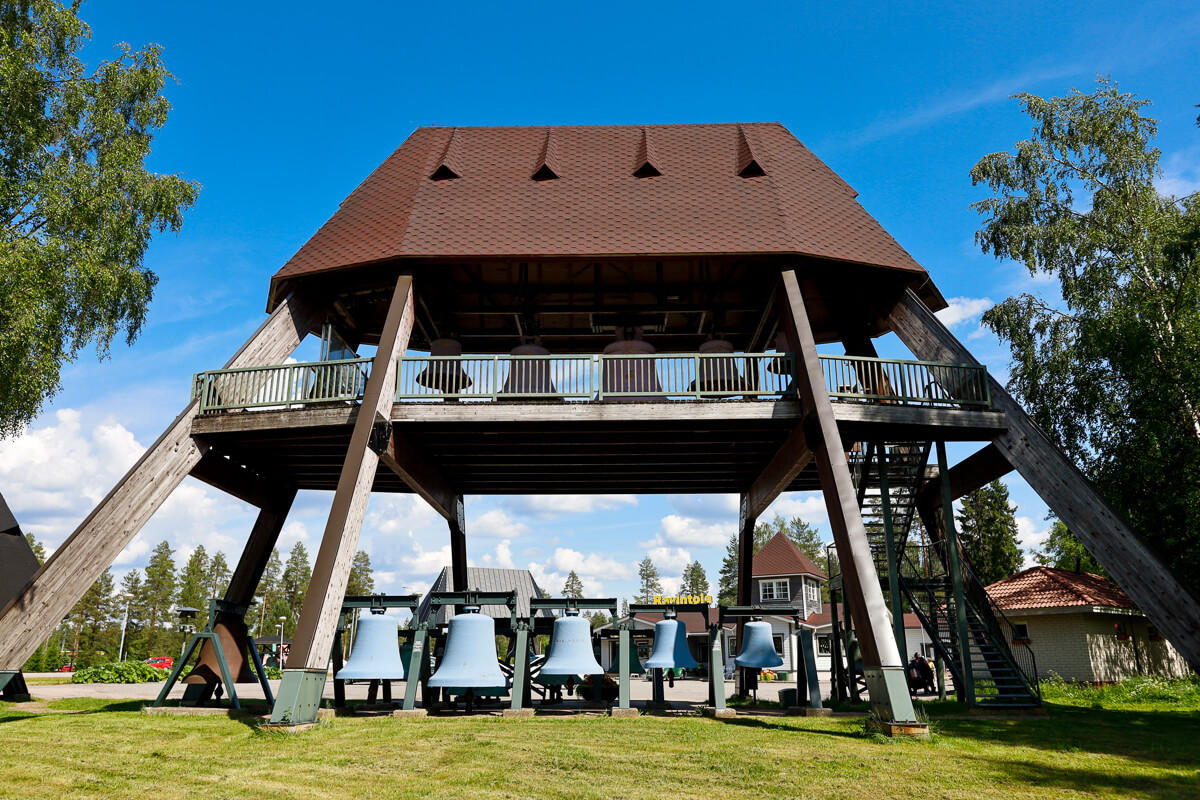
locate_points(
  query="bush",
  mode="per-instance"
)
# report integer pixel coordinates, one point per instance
(120, 672)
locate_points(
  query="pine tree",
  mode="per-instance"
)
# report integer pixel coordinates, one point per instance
(193, 581)
(695, 580)
(573, 586)
(361, 581)
(268, 592)
(218, 575)
(135, 607)
(94, 616)
(159, 589)
(293, 585)
(624, 607)
(39, 552)
(988, 526)
(727, 583)
(648, 576)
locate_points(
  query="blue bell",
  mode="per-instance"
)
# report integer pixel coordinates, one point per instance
(376, 653)
(758, 649)
(670, 646)
(469, 660)
(570, 650)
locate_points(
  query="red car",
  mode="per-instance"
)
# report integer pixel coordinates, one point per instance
(162, 662)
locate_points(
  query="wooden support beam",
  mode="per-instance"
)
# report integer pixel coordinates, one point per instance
(779, 473)
(458, 546)
(880, 653)
(234, 479)
(31, 616)
(973, 472)
(257, 552)
(406, 460)
(1107, 536)
(313, 640)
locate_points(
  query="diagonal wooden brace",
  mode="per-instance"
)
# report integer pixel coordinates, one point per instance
(34, 613)
(300, 691)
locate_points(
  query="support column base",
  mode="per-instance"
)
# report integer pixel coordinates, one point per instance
(719, 713)
(517, 713)
(809, 712)
(299, 697)
(914, 730)
(624, 713)
(888, 687)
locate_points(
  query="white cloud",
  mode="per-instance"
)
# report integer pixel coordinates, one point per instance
(706, 506)
(559, 505)
(565, 559)
(678, 530)
(495, 524)
(670, 585)
(671, 559)
(808, 506)
(553, 582)
(1032, 536)
(1181, 173)
(502, 557)
(963, 309)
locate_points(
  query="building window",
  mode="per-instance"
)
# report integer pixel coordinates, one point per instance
(813, 590)
(824, 645)
(1020, 633)
(1153, 634)
(773, 590)
(778, 641)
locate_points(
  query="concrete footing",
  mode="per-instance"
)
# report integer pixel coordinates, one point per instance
(624, 712)
(517, 713)
(719, 713)
(915, 730)
(412, 713)
(795, 711)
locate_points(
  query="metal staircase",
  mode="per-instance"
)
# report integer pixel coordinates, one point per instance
(994, 674)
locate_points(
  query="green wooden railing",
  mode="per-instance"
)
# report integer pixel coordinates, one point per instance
(587, 378)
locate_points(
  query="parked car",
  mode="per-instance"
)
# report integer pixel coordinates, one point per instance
(162, 662)
(65, 668)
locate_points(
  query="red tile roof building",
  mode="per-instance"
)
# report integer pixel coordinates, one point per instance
(1045, 587)
(781, 556)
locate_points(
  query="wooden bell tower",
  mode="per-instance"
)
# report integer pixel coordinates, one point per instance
(524, 254)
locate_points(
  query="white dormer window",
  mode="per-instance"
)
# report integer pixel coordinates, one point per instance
(773, 590)
(812, 590)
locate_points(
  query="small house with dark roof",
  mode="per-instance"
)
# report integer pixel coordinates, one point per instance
(1083, 627)
(784, 575)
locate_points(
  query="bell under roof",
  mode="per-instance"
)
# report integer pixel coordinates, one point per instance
(600, 191)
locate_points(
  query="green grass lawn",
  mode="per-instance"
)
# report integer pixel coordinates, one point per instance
(109, 750)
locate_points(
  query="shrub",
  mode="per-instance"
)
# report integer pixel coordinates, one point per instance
(120, 672)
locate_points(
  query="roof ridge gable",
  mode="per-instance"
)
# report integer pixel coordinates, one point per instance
(749, 164)
(547, 166)
(449, 164)
(646, 164)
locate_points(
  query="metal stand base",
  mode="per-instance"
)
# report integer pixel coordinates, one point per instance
(299, 697)
(890, 700)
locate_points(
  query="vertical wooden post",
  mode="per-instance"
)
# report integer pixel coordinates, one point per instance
(303, 681)
(1106, 535)
(882, 669)
(745, 587)
(716, 669)
(623, 663)
(458, 547)
(32, 615)
(257, 552)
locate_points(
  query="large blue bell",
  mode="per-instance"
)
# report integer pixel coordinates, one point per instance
(469, 660)
(670, 646)
(376, 653)
(570, 650)
(758, 649)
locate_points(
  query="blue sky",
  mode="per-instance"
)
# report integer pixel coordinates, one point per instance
(282, 109)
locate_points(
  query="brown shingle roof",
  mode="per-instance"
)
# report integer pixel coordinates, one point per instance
(1046, 587)
(490, 205)
(781, 556)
